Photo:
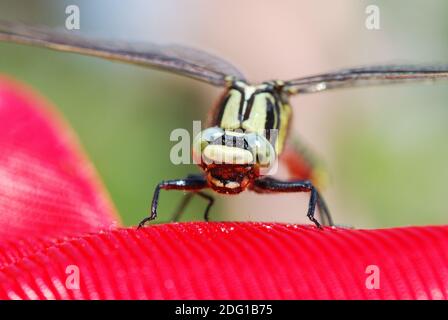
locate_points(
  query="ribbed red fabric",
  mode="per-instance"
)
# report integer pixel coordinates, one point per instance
(55, 218)
(234, 261)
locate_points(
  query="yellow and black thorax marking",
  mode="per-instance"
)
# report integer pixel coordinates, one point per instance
(263, 109)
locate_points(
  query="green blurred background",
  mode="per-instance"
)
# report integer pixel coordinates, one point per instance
(385, 148)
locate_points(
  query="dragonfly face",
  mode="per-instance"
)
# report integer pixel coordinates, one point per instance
(249, 126)
(232, 158)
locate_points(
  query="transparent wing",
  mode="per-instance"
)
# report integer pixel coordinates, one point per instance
(367, 76)
(174, 58)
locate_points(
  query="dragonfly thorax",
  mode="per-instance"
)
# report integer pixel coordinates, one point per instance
(261, 109)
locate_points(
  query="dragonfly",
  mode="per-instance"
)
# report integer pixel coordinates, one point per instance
(248, 130)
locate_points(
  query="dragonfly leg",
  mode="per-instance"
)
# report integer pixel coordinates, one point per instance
(303, 164)
(181, 208)
(191, 183)
(186, 200)
(273, 185)
(211, 201)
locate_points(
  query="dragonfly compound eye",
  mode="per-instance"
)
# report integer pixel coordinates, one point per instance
(262, 150)
(203, 139)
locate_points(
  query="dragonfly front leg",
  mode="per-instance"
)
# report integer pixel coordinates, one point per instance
(186, 200)
(303, 165)
(274, 185)
(191, 183)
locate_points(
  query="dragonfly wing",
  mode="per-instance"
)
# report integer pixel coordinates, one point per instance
(174, 58)
(366, 76)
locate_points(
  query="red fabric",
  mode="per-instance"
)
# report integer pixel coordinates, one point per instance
(54, 215)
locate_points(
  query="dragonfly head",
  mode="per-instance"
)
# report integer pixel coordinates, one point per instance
(232, 159)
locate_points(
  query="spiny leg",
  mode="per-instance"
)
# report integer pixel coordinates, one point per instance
(181, 208)
(211, 201)
(303, 165)
(274, 185)
(191, 183)
(325, 213)
(186, 200)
